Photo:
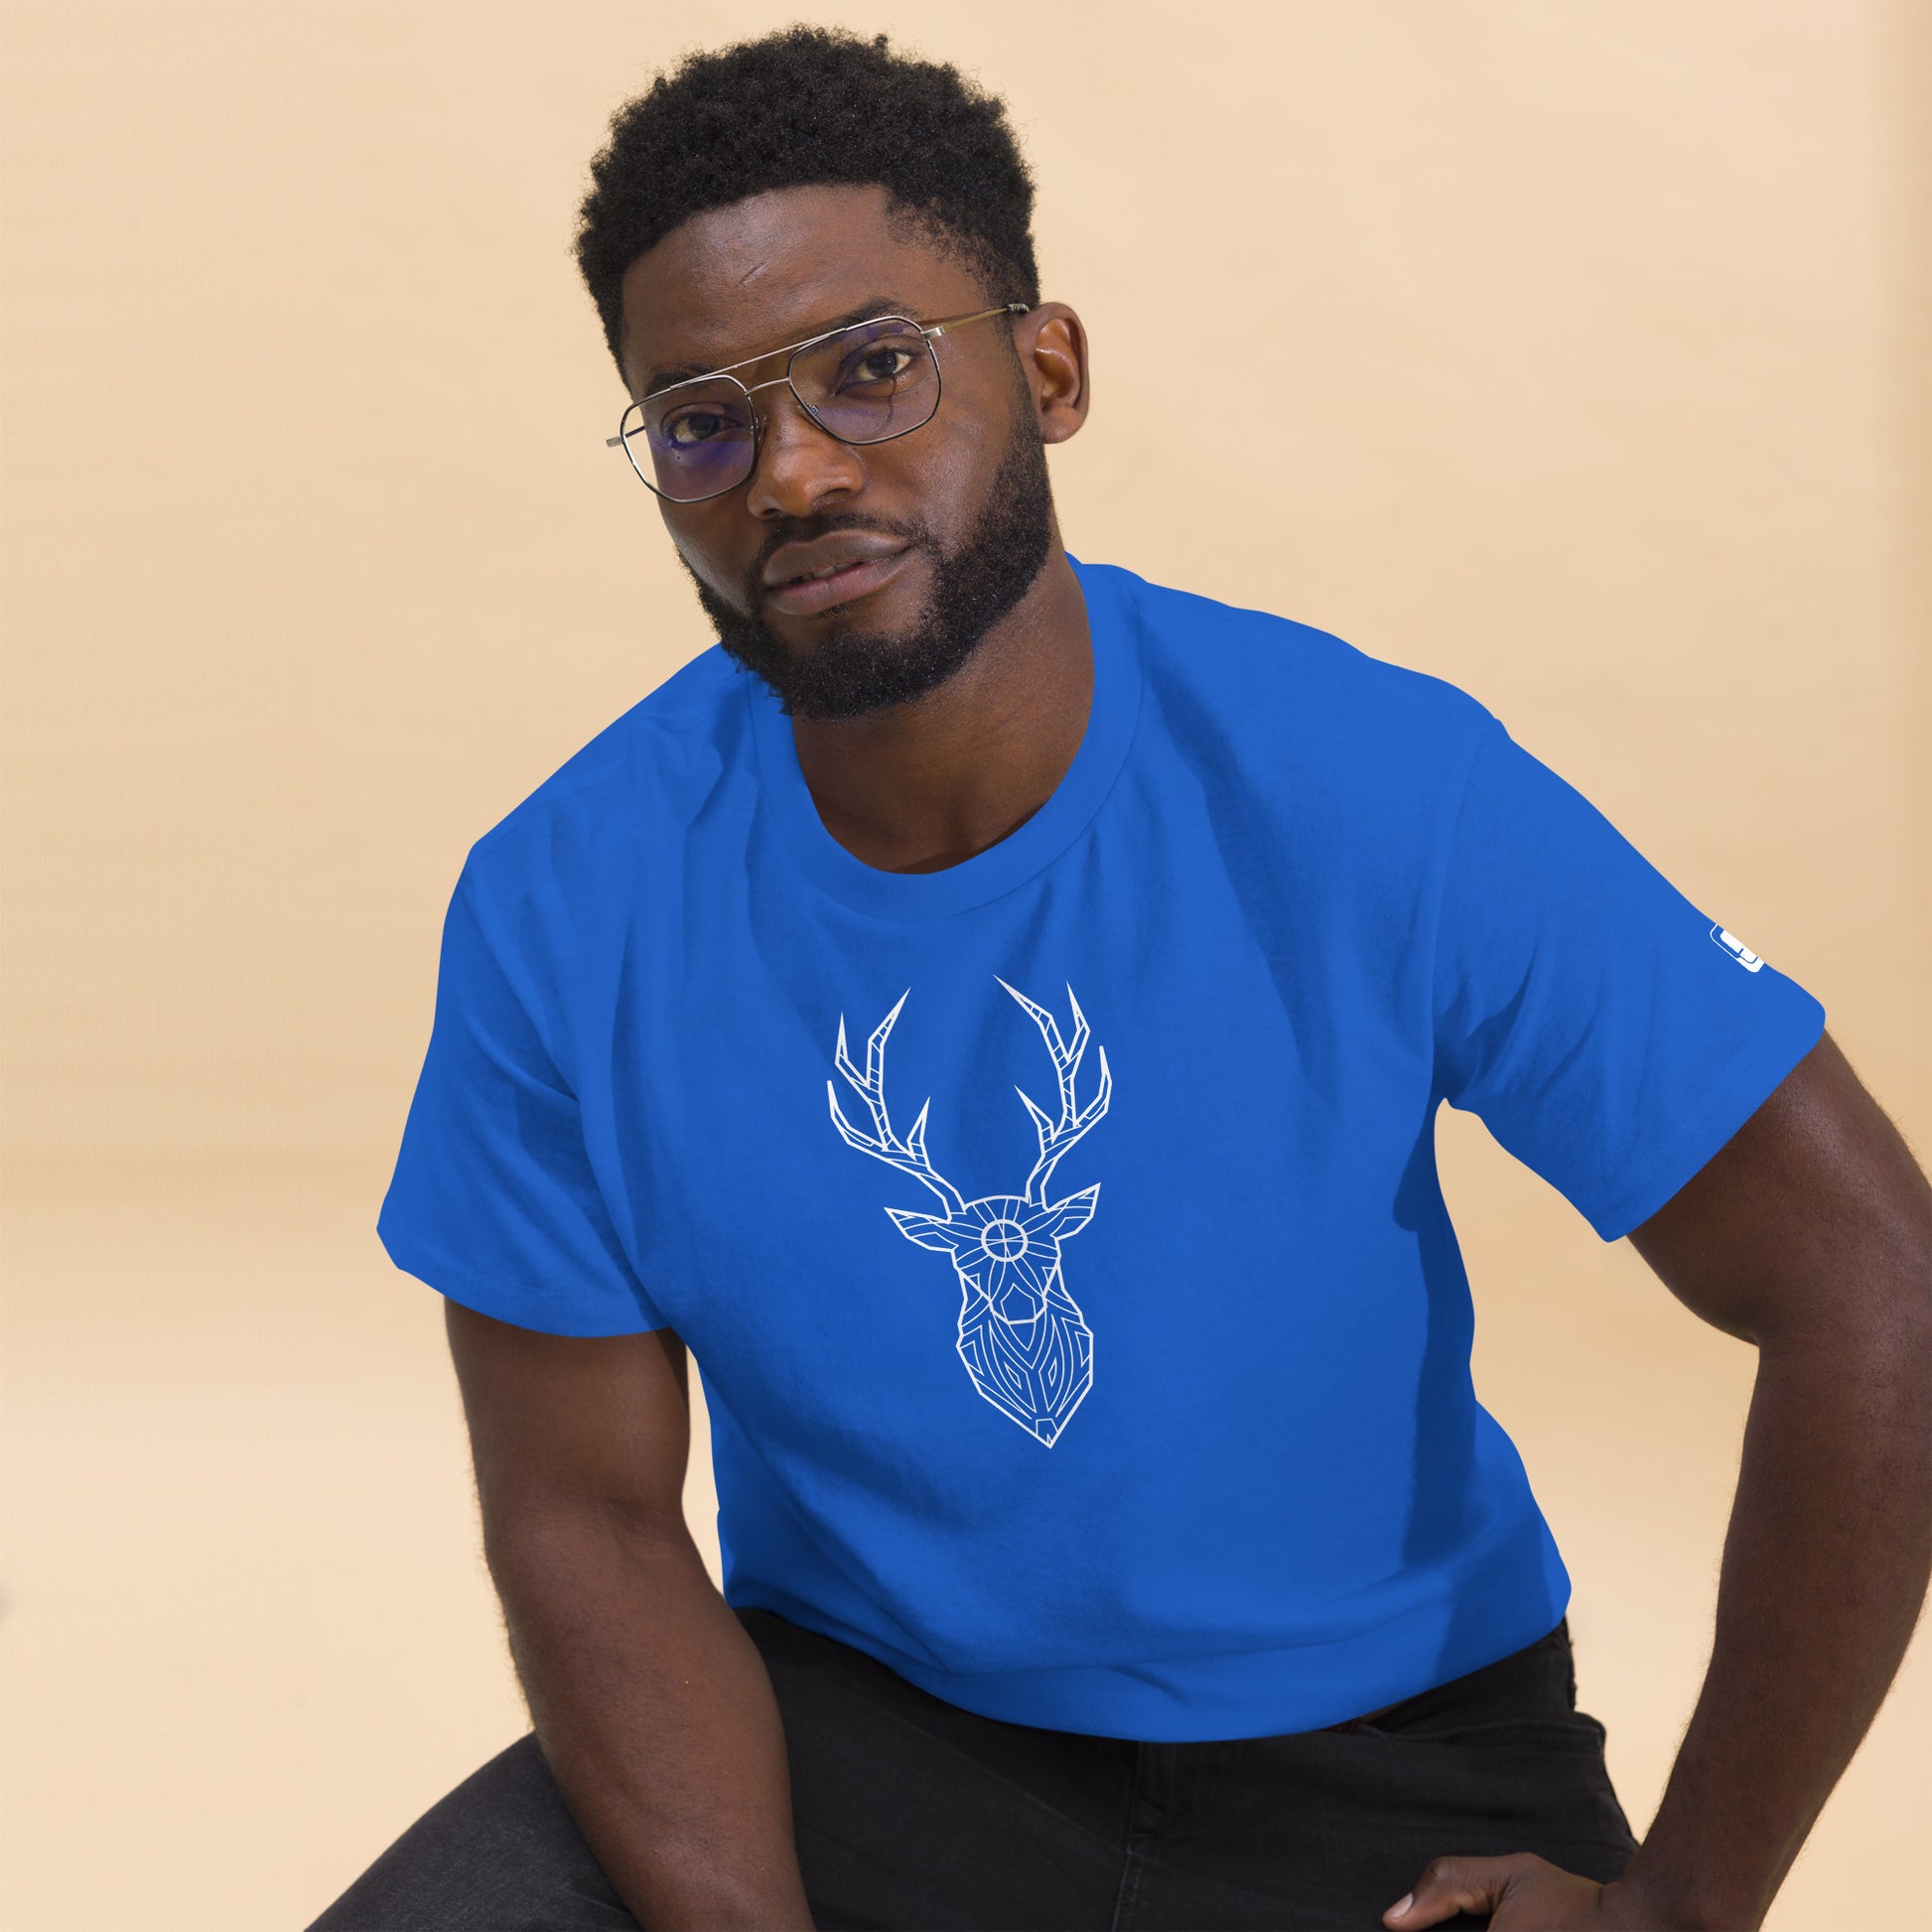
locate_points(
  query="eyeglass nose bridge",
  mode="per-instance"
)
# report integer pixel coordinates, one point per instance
(762, 418)
(761, 421)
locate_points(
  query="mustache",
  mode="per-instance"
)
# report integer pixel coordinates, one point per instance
(808, 529)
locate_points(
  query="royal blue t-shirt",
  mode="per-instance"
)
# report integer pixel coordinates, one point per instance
(1058, 1234)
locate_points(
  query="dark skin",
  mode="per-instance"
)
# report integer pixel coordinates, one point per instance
(911, 787)
(1808, 1236)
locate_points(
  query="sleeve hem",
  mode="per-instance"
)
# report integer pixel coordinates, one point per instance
(521, 1306)
(1745, 1084)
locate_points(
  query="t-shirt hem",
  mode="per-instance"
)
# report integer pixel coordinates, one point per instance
(505, 1301)
(1748, 1080)
(1235, 1694)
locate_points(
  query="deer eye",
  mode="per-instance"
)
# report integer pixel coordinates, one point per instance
(1004, 1240)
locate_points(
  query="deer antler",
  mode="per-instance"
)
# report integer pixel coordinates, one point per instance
(1055, 1137)
(907, 1155)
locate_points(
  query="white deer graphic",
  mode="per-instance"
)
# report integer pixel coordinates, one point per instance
(1022, 1336)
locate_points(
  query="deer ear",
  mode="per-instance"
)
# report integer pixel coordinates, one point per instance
(928, 1230)
(1070, 1216)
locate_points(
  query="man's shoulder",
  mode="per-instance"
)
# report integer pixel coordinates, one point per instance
(648, 764)
(1257, 675)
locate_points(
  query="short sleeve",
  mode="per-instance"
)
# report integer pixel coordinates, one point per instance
(493, 1201)
(1608, 1034)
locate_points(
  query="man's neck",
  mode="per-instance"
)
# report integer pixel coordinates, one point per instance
(919, 786)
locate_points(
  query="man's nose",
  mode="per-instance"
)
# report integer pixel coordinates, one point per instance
(801, 467)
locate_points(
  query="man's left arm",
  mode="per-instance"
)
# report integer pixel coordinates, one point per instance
(1809, 1235)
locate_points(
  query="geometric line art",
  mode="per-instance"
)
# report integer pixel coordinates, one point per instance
(1022, 1335)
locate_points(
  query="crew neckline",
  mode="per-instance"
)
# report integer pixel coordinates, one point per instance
(1113, 624)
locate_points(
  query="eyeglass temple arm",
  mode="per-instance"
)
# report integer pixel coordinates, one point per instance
(938, 328)
(960, 322)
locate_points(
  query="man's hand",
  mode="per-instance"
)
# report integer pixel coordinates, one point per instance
(652, 1703)
(1524, 1893)
(1809, 1234)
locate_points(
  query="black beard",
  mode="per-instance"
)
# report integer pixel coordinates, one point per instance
(850, 671)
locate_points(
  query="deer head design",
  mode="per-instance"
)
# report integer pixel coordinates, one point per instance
(1022, 1336)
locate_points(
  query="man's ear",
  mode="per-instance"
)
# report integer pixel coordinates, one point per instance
(1053, 347)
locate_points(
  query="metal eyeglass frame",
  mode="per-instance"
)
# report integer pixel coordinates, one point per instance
(791, 351)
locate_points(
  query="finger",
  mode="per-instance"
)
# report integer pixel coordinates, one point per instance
(1452, 1886)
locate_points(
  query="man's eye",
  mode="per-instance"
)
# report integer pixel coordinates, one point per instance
(694, 426)
(885, 362)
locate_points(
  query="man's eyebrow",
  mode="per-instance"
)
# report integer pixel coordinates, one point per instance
(880, 304)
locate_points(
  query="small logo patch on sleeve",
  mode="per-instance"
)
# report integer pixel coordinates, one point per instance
(1737, 948)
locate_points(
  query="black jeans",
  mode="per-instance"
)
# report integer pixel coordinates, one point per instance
(912, 1813)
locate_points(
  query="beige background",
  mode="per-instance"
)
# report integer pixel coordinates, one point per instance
(1592, 378)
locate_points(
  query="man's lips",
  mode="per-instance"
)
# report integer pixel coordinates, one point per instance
(804, 579)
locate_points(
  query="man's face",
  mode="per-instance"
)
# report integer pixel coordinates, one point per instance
(935, 536)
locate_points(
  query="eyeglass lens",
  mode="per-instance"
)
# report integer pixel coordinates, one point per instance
(864, 385)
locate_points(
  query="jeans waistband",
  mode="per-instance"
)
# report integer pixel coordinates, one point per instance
(1538, 1678)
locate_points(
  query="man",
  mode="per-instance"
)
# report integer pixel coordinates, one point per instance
(1111, 1535)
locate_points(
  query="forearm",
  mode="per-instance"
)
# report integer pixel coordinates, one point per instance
(1825, 1568)
(656, 1713)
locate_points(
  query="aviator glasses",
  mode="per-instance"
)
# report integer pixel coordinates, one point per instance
(866, 382)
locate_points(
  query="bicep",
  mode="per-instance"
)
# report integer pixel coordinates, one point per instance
(1812, 1214)
(563, 1424)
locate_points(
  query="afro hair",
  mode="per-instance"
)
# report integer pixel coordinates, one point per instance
(802, 107)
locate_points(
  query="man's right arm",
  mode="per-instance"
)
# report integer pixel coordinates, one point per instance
(651, 1705)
